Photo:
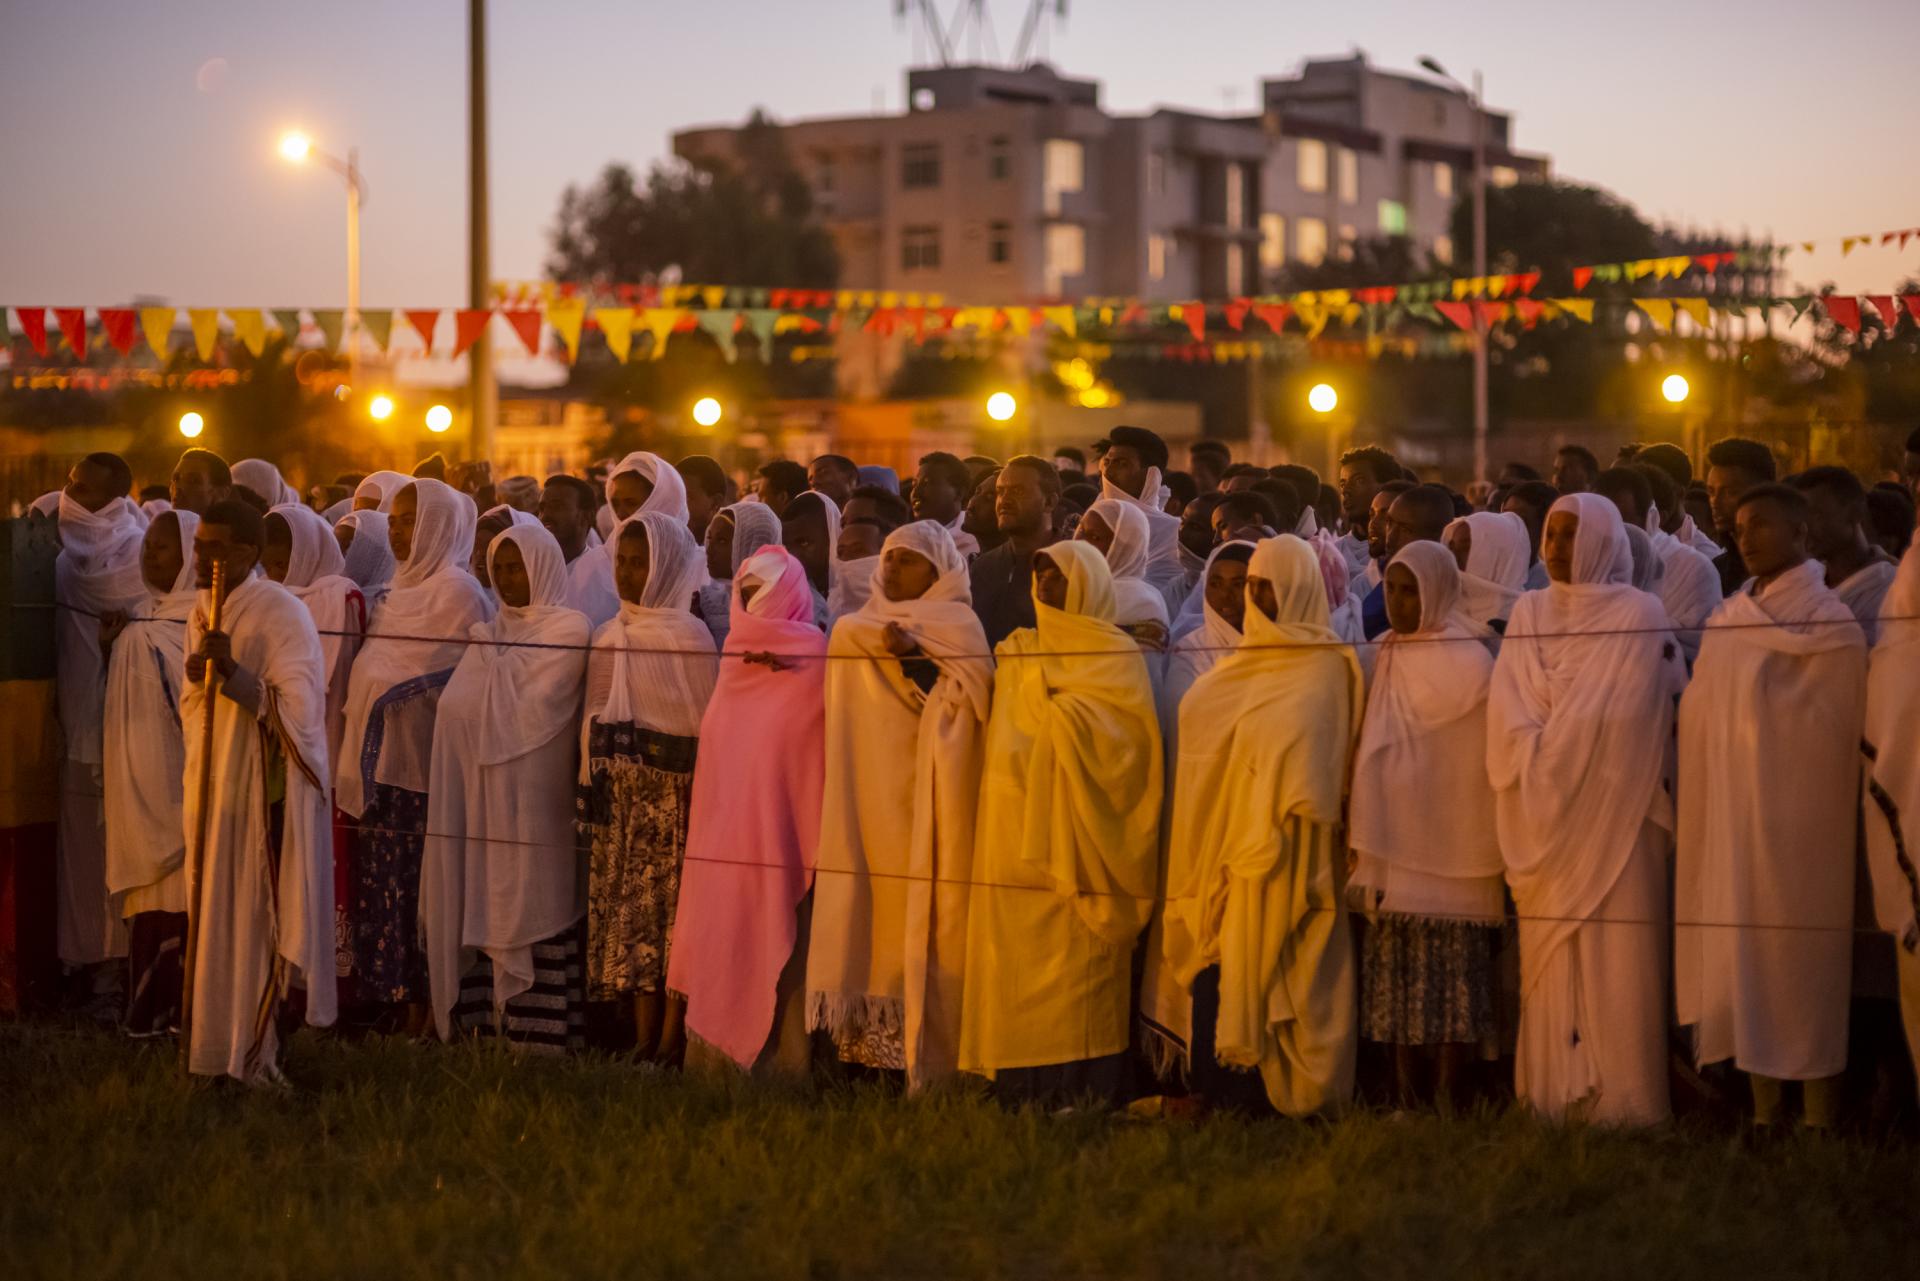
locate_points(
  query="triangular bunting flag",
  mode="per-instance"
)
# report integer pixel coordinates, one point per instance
(526, 323)
(1062, 318)
(206, 329)
(33, 323)
(1580, 309)
(1273, 315)
(659, 323)
(1581, 275)
(1912, 302)
(117, 323)
(1195, 316)
(423, 322)
(468, 324)
(566, 315)
(73, 327)
(1799, 303)
(1843, 311)
(379, 325)
(1806, 246)
(1529, 310)
(250, 327)
(157, 324)
(714, 296)
(1847, 243)
(332, 324)
(718, 325)
(1610, 272)
(288, 318)
(1492, 313)
(1696, 309)
(1883, 303)
(1458, 312)
(616, 323)
(1659, 310)
(760, 321)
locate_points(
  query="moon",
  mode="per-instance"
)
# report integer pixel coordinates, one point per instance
(212, 74)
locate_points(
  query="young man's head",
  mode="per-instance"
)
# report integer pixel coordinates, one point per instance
(941, 487)
(1196, 523)
(567, 508)
(231, 534)
(1665, 495)
(1130, 452)
(1304, 480)
(1529, 500)
(1181, 490)
(1242, 477)
(200, 479)
(706, 483)
(1575, 469)
(1890, 511)
(1070, 458)
(1226, 585)
(979, 519)
(833, 475)
(1244, 515)
(432, 467)
(1362, 472)
(1770, 527)
(1836, 514)
(1208, 460)
(1025, 494)
(1419, 515)
(804, 532)
(1376, 523)
(779, 483)
(1515, 473)
(1627, 489)
(1734, 466)
(98, 479)
(1285, 500)
(1670, 459)
(868, 516)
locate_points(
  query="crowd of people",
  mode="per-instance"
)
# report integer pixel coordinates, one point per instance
(1056, 776)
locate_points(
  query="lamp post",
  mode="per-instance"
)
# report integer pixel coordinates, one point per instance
(1475, 100)
(299, 148)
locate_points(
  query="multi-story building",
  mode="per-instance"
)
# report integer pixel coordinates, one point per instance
(999, 183)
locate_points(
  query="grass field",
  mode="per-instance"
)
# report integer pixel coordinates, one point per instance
(393, 1159)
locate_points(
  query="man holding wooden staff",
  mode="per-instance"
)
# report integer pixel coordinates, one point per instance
(259, 842)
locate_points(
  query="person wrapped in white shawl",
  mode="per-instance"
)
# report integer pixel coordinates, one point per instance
(144, 760)
(735, 534)
(368, 554)
(1578, 718)
(1891, 743)
(500, 883)
(303, 556)
(376, 491)
(1119, 531)
(907, 707)
(263, 479)
(1492, 551)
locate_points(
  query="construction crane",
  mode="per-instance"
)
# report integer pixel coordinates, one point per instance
(948, 37)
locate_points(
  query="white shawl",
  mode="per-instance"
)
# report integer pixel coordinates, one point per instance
(1163, 567)
(97, 572)
(669, 494)
(654, 664)
(1689, 589)
(1864, 591)
(264, 479)
(369, 561)
(1496, 571)
(381, 486)
(1892, 744)
(1135, 600)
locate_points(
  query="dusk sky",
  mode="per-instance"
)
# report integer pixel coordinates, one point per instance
(139, 151)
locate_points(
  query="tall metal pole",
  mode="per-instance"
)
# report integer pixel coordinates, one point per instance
(353, 268)
(1480, 328)
(482, 395)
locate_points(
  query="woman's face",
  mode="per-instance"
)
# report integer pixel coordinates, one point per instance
(719, 546)
(278, 553)
(1227, 591)
(1460, 543)
(1556, 545)
(406, 504)
(906, 574)
(161, 557)
(483, 535)
(1049, 584)
(632, 563)
(804, 533)
(1402, 592)
(343, 534)
(1094, 529)
(630, 490)
(510, 575)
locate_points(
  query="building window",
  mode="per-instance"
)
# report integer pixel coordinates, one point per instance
(1310, 169)
(1349, 237)
(1066, 253)
(1443, 248)
(1443, 180)
(920, 164)
(1503, 175)
(999, 243)
(1393, 218)
(1236, 197)
(1310, 240)
(1066, 170)
(1236, 269)
(1349, 176)
(999, 158)
(1157, 251)
(1273, 241)
(919, 248)
(1156, 173)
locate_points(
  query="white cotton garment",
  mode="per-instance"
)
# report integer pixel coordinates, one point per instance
(264, 479)
(369, 560)
(1864, 591)
(1201, 638)
(1892, 747)
(499, 871)
(1496, 571)
(380, 487)
(1163, 567)
(1768, 796)
(966, 543)
(1689, 589)
(316, 575)
(669, 494)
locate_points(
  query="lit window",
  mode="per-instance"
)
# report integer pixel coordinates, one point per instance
(920, 164)
(1065, 170)
(1273, 241)
(919, 248)
(1066, 253)
(1236, 197)
(1349, 237)
(999, 158)
(1443, 248)
(1156, 257)
(999, 243)
(1236, 269)
(1310, 240)
(1443, 180)
(1349, 176)
(1393, 218)
(1503, 176)
(1310, 169)
(1156, 173)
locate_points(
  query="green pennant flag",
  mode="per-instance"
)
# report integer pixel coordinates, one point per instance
(1423, 311)
(735, 297)
(288, 318)
(1607, 271)
(757, 298)
(718, 325)
(331, 324)
(379, 324)
(1799, 303)
(760, 321)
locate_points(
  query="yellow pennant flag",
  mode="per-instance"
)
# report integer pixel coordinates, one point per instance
(565, 315)
(1459, 289)
(1060, 318)
(617, 324)
(1580, 309)
(1351, 312)
(1020, 321)
(786, 323)
(250, 327)
(913, 300)
(936, 300)
(714, 296)
(1847, 243)
(1659, 310)
(1696, 308)
(889, 299)
(658, 321)
(157, 324)
(206, 328)
(1336, 297)
(843, 300)
(867, 299)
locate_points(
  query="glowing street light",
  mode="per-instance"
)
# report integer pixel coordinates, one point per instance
(192, 424)
(295, 146)
(706, 411)
(439, 418)
(1001, 406)
(1322, 398)
(380, 408)
(1674, 388)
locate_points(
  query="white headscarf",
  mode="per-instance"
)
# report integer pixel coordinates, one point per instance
(369, 561)
(1892, 739)
(316, 574)
(97, 572)
(654, 663)
(1497, 561)
(754, 526)
(669, 490)
(381, 486)
(1135, 599)
(531, 656)
(264, 479)
(155, 507)
(1201, 639)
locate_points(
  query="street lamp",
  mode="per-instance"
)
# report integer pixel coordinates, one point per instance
(439, 418)
(706, 411)
(1475, 100)
(1674, 388)
(380, 408)
(298, 148)
(1322, 398)
(192, 424)
(1001, 406)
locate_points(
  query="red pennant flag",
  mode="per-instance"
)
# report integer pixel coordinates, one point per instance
(34, 321)
(1490, 313)
(423, 323)
(808, 325)
(917, 321)
(117, 323)
(1274, 316)
(1913, 306)
(777, 298)
(1133, 315)
(1527, 282)
(1888, 238)
(1842, 311)
(1529, 310)
(73, 324)
(468, 326)
(1884, 304)
(1581, 275)
(1458, 312)
(947, 316)
(1904, 236)
(526, 323)
(1236, 314)
(1195, 316)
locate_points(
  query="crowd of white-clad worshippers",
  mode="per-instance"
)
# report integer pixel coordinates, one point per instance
(1077, 779)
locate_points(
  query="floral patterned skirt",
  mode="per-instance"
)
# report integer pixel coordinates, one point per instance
(1428, 980)
(633, 814)
(388, 960)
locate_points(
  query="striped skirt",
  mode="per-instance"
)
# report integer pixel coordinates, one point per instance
(548, 1018)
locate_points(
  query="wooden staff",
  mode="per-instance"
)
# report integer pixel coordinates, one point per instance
(197, 852)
